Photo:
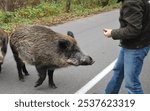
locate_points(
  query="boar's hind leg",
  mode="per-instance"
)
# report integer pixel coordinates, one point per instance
(20, 65)
(25, 70)
(50, 77)
(42, 76)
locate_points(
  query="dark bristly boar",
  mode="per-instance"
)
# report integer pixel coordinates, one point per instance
(46, 49)
(3, 46)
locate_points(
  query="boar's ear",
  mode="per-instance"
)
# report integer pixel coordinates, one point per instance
(70, 34)
(63, 44)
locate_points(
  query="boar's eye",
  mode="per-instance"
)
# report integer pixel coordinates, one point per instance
(70, 34)
(64, 44)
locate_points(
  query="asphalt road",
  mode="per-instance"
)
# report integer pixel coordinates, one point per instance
(88, 33)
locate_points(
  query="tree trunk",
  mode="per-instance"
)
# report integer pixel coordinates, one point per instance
(35, 2)
(51, 1)
(6, 5)
(2, 4)
(68, 5)
(104, 2)
(9, 5)
(79, 1)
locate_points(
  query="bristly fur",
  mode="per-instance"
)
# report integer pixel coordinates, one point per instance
(37, 44)
(47, 50)
(3, 46)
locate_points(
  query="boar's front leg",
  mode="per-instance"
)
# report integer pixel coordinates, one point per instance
(50, 78)
(42, 75)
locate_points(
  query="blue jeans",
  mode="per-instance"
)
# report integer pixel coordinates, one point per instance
(128, 68)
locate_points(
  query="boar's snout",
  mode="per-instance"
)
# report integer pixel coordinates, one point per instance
(86, 60)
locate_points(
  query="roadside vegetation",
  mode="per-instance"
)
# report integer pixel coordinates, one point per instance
(51, 12)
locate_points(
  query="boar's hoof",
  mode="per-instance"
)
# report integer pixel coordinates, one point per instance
(27, 74)
(37, 84)
(21, 79)
(53, 86)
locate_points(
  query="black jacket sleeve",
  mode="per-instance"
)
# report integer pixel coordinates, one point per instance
(131, 14)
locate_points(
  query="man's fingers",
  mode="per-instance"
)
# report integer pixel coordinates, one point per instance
(105, 30)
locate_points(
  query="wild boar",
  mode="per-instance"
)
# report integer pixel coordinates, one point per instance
(3, 46)
(46, 49)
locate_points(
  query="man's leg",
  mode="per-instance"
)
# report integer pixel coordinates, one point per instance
(114, 84)
(133, 62)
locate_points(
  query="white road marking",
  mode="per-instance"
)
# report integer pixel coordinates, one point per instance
(96, 79)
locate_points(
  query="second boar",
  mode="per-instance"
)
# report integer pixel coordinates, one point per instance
(3, 46)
